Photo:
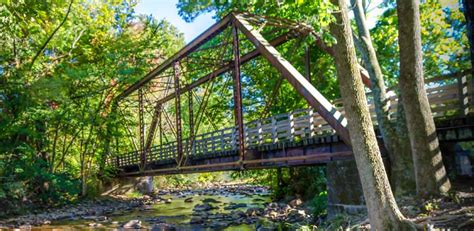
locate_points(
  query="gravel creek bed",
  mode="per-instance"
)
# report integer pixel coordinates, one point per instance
(218, 207)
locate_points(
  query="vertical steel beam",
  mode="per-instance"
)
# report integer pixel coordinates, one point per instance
(141, 130)
(190, 143)
(298, 81)
(191, 114)
(307, 63)
(179, 140)
(239, 122)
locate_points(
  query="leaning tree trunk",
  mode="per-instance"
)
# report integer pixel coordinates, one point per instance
(430, 175)
(383, 210)
(468, 6)
(401, 163)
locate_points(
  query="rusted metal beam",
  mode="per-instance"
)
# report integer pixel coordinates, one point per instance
(322, 157)
(239, 122)
(192, 46)
(141, 130)
(307, 63)
(191, 114)
(298, 81)
(225, 68)
(179, 140)
(152, 129)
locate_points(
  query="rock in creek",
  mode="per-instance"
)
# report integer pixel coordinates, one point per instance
(210, 200)
(133, 224)
(162, 227)
(219, 224)
(203, 207)
(196, 220)
(188, 200)
(235, 206)
(254, 212)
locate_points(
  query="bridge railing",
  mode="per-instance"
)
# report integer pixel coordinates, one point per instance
(448, 96)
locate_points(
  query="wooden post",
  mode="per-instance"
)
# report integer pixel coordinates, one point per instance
(312, 131)
(234, 139)
(274, 130)
(292, 126)
(260, 131)
(462, 93)
(222, 140)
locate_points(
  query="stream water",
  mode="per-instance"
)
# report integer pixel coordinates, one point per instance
(228, 213)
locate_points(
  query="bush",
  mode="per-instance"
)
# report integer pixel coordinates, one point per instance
(30, 184)
(320, 204)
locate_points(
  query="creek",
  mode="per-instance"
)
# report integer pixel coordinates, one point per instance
(222, 208)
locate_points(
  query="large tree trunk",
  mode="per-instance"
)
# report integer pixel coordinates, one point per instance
(401, 163)
(430, 175)
(468, 6)
(383, 210)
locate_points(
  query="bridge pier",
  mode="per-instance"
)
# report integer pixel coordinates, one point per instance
(344, 188)
(124, 185)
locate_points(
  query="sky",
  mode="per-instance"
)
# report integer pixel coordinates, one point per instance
(166, 9)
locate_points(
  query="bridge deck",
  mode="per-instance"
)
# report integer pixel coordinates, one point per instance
(300, 137)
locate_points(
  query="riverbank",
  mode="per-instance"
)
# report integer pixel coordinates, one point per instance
(232, 206)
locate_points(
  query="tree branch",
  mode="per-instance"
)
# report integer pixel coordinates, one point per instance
(51, 36)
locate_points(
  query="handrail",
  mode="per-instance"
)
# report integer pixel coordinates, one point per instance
(299, 124)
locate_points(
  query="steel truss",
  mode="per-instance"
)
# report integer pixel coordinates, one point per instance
(250, 26)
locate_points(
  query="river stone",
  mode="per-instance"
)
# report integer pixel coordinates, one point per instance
(251, 212)
(235, 206)
(95, 225)
(237, 214)
(133, 224)
(296, 215)
(188, 200)
(102, 218)
(162, 227)
(295, 202)
(203, 207)
(23, 227)
(210, 200)
(168, 201)
(219, 224)
(153, 219)
(196, 220)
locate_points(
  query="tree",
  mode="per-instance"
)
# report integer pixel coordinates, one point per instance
(430, 175)
(468, 6)
(397, 144)
(60, 65)
(383, 210)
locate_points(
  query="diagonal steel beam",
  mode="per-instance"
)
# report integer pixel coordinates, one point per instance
(192, 46)
(152, 129)
(298, 81)
(228, 67)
